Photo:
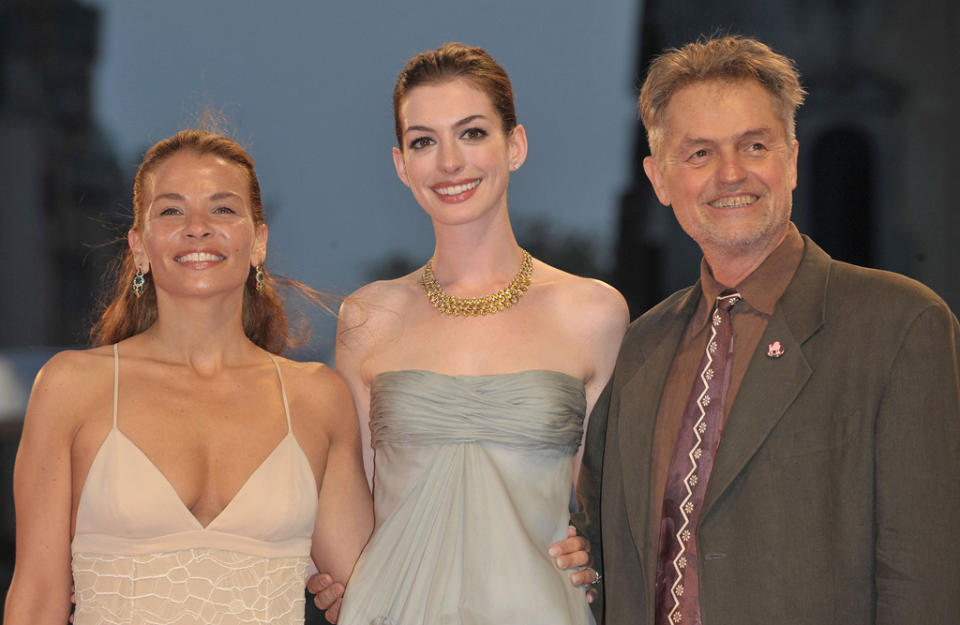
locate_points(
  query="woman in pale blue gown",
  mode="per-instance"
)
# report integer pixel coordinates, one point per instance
(472, 377)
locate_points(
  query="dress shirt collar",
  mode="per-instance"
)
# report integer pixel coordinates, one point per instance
(761, 289)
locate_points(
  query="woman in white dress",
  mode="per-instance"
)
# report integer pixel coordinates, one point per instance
(181, 471)
(472, 376)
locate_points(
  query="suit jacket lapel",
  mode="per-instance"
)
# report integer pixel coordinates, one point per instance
(639, 401)
(771, 385)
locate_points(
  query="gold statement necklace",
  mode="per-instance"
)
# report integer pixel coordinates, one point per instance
(474, 306)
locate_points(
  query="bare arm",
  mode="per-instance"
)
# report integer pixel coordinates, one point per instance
(40, 590)
(600, 331)
(345, 508)
(353, 342)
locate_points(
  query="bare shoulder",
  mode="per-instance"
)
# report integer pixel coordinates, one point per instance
(69, 384)
(593, 314)
(374, 311)
(71, 365)
(311, 381)
(584, 302)
(373, 301)
(317, 395)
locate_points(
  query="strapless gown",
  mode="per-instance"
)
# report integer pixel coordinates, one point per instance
(140, 557)
(472, 485)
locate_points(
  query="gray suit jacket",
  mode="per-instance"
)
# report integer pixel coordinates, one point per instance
(834, 497)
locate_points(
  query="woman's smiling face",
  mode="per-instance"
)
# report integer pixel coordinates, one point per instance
(198, 234)
(455, 156)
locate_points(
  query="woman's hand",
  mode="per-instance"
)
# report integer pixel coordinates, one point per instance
(327, 595)
(574, 553)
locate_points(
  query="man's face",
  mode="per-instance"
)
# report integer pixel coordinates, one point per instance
(726, 167)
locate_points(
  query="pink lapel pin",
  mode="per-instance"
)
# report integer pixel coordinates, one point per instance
(774, 350)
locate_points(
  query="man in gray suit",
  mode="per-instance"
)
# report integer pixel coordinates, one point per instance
(804, 470)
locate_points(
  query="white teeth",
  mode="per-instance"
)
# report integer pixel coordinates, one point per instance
(457, 189)
(734, 202)
(198, 257)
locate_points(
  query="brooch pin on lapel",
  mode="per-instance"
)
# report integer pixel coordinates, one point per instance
(775, 350)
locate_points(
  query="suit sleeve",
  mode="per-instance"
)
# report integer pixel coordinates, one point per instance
(917, 578)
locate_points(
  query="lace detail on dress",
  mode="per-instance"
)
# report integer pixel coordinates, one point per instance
(208, 586)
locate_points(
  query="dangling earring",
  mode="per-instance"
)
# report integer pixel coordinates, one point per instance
(139, 281)
(261, 279)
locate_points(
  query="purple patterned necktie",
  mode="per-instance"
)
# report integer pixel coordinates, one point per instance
(678, 588)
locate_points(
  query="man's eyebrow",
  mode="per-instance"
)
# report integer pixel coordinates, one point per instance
(757, 132)
(689, 143)
(753, 132)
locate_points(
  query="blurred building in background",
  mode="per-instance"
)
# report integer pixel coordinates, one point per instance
(62, 188)
(61, 191)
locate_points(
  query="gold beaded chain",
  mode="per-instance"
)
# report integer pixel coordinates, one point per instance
(474, 306)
